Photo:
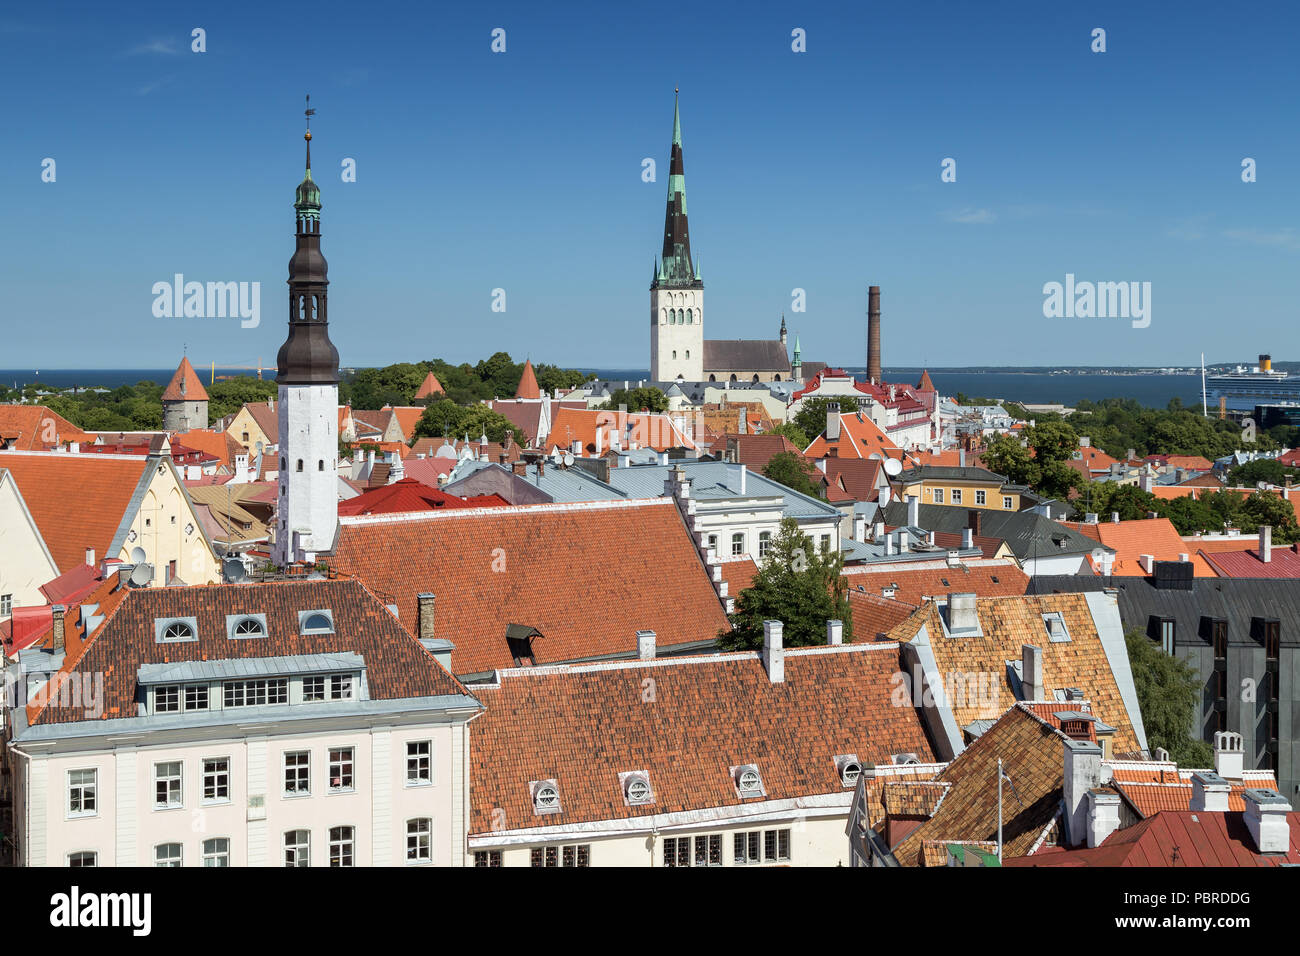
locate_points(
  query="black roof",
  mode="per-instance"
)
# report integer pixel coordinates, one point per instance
(1029, 534)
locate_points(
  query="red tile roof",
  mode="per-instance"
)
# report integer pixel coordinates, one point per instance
(429, 387)
(411, 495)
(859, 438)
(952, 539)
(856, 476)
(532, 565)
(582, 726)
(738, 575)
(657, 431)
(217, 444)
(528, 387)
(36, 428)
(755, 451)
(185, 385)
(72, 585)
(77, 501)
(875, 616)
(1283, 562)
(396, 664)
(935, 579)
(1131, 539)
(1176, 838)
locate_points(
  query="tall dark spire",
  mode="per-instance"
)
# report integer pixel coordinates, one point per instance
(307, 356)
(678, 269)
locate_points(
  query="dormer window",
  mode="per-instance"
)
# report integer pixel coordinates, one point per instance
(1056, 630)
(849, 769)
(636, 788)
(747, 780)
(170, 630)
(546, 796)
(906, 760)
(244, 626)
(316, 622)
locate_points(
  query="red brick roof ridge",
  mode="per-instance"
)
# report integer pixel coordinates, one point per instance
(510, 511)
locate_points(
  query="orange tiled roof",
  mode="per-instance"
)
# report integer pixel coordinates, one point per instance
(429, 387)
(77, 501)
(528, 387)
(1032, 754)
(657, 431)
(859, 438)
(218, 444)
(985, 578)
(1131, 539)
(755, 451)
(408, 416)
(1009, 623)
(185, 385)
(738, 575)
(583, 726)
(1149, 798)
(530, 565)
(36, 428)
(875, 616)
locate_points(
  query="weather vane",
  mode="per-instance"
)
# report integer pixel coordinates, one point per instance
(309, 113)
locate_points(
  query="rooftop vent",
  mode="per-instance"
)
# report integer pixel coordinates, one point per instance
(906, 760)
(1056, 630)
(963, 616)
(546, 796)
(747, 780)
(636, 788)
(849, 769)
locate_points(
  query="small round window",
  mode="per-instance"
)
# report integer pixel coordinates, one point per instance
(638, 791)
(249, 627)
(178, 631)
(749, 781)
(547, 796)
(317, 622)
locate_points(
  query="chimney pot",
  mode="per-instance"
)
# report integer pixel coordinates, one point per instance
(1082, 774)
(1209, 792)
(1229, 755)
(1265, 543)
(833, 421)
(1267, 820)
(773, 652)
(58, 612)
(1031, 672)
(90, 557)
(834, 633)
(424, 616)
(913, 511)
(963, 612)
(645, 645)
(1103, 816)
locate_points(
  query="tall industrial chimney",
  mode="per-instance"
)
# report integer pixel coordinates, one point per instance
(873, 334)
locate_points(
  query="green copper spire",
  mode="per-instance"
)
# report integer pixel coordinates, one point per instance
(796, 349)
(677, 122)
(677, 269)
(308, 195)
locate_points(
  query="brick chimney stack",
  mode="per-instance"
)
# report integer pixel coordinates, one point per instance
(873, 334)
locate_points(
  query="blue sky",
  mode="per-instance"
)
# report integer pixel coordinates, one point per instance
(522, 171)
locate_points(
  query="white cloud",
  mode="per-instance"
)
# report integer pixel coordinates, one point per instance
(1285, 238)
(161, 47)
(973, 216)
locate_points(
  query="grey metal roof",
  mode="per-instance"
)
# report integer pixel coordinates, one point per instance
(1235, 600)
(248, 667)
(745, 355)
(563, 485)
(716, 480)
(950, 473)
(1029, 534)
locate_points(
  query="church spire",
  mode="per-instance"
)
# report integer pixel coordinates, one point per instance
(307, 356)
(678, 270)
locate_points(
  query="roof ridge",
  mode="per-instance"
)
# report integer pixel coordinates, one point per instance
(512, 510)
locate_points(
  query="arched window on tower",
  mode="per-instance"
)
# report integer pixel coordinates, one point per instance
(755, 377)
(315, 305)
(674, 353)
(689, 317)
(302, 308)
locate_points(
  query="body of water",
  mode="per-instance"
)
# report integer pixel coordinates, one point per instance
(1153, 390)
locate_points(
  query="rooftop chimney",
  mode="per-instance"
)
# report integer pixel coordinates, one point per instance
(877, 531)
(424, 616)
(58, 612)
(1266, 543)
(967, 538)
(773, 654)
(1031, 672)
(962, 612)
(1266, 819)
(645, 645)
(913, 511)
(1209, 792)
(1082, 774)
(1229, 755)
(90, 557)
(833, 421)
(1103, 815)
(1114, 517)
(873, 334)
(1148, 562)
(834, 633)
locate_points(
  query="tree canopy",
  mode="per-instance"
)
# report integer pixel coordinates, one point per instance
(798, 585)
(445, 419)
(1168, 693)
(794, 472)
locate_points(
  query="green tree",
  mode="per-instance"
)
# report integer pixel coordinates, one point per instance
(1263, 508)
(1263, 469)
(798, 585)
(811, 419)
(1104, 498)
(444, 418)
(797, 436)
(637, 399)
(1005, 456)
(793, 472)
(1052, 440)
(1168, 692)
(1189, 515)
(230, 395)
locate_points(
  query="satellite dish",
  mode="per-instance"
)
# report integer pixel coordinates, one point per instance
(232, 570)
(141, 575)
(893, 467)
(137, 555)
(568, 459)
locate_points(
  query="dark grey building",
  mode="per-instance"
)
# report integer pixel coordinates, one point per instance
(1242, 637)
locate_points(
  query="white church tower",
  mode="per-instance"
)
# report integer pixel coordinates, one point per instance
(677, 292)
(308, 405)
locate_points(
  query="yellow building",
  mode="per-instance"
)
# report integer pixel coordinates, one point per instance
(970, 487)
(256, 427)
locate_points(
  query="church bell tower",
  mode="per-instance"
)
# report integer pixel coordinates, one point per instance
(308, 403)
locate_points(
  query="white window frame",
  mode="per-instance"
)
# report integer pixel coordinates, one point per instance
(737, 544)
(216, 775)
(299, 770)
(194, 689)
(348, 843)
(938, 496)
(314, 688)
(168, 779)
(956, 496)
(211, 854)
(300, 850)
(93, 854)
(81, 789)
(1006, 503)
(178, 860)
(346, 757)
(173, 696)
(413, 760)
(341, 687)
(6, 605)
(981, 496)
(419, 841)
(764, 543)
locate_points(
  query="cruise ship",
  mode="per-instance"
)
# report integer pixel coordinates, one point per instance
(1243, 388)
